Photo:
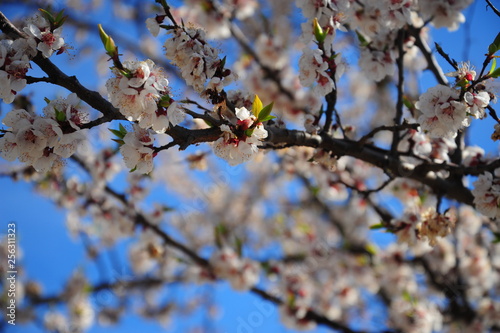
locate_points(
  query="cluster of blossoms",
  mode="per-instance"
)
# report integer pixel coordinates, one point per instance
(14, 65)
(41, 141)
(197, 60)
(487, 194)
(443, 113)
(444, 13)
(428, 225)
(140, 92)
(239, 141)
(137, 150)
(320, 71)
(298, 291)
(242, 273)
(81, 315)
(215, 17)
(415, 316)
(15, 55)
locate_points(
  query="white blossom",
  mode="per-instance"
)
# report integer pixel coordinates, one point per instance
(46, 40)
(486, 193)
(442, 113)
(236, 149)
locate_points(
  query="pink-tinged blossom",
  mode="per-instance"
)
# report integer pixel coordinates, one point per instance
(8, 147)
(464, 71)
(163, 118)
(137, 150)
(444, 13)
(415, 317)
(69, 109)
(242, 273)
(46, 40)
(496, 133)
(376, 65)
(486, 194)
(472, 156)
(138, 96)
(316, 71)
(477, 102)
(145, 254)
(69, 143)
(198, 61)
(442, 113)
(241, 147)
(271, 51)
(13, 68)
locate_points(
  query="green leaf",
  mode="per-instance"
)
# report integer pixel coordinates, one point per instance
(370, 248)
(249, 132)
(119, 141)
(408, 103)
(118, 133)
(495, 73)
(407, 297)
(493, 65)
(497, 238)
(495, 46)
(48, 16)
(46, 100)
(267, 118)
(256, 106)
(122, 129)
(132, 170)
(362, 39)
(377, 226)
(239, 246)
(265, 112)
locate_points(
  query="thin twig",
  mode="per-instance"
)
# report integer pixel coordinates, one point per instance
(496, 11)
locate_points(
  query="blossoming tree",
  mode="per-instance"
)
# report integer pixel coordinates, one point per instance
(280, 160)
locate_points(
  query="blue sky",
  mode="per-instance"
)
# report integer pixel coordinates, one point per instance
(49, 255)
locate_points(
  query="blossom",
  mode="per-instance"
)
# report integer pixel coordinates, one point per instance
(464, 71)
(240, 147)
(442, 113)
(198, 62)
(444, 13)
(47, 40)
(13, 68)
(436, 225)
(68, 109)
(153, 25)
(376, 64)
(142, 94)
(486, 194)
(496, 133)
(163, 118)
(477, 102)
(320, 71)
(136, 150)
(242, 273)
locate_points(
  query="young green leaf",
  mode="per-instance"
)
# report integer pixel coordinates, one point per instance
(493, 66)
(267, 118)
(377, 226)
(118, 133)
(256, 106)
(495, 46)
(265, 112)
(495, 73)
